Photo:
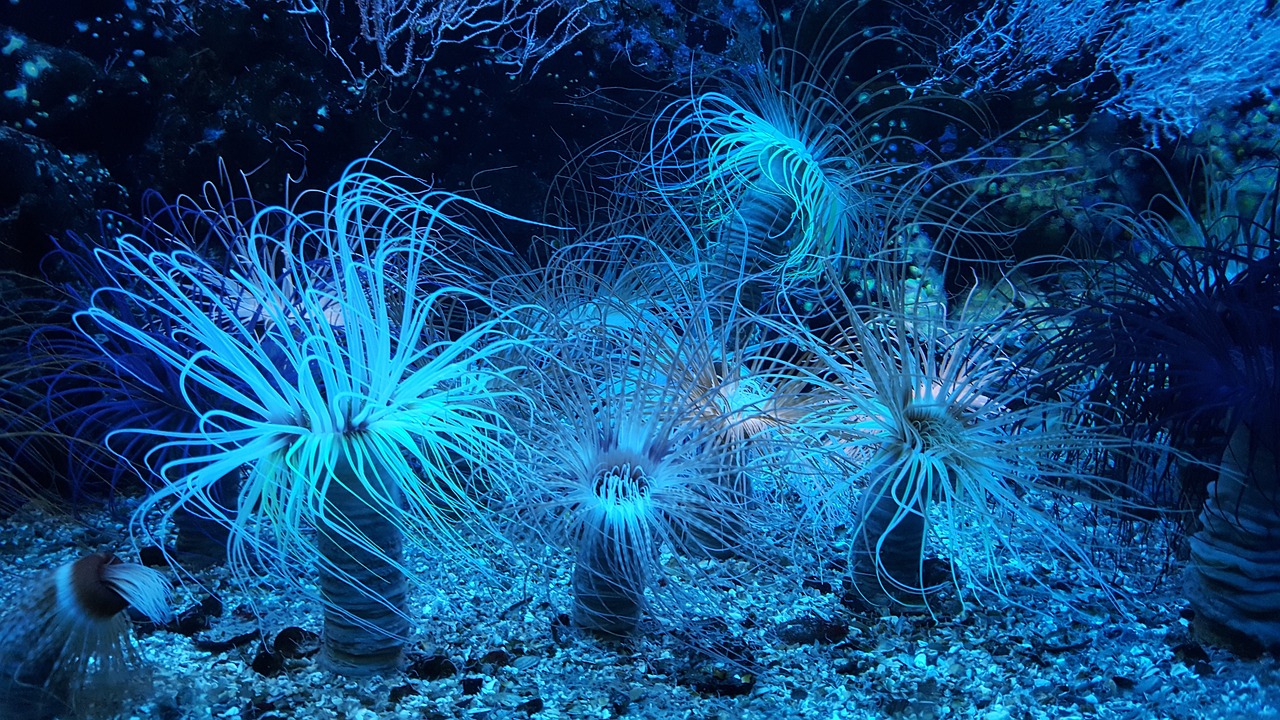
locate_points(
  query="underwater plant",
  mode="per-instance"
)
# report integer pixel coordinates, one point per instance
(362, 389)
(938, 441)
(1177, 336)
(65, 646)
(27, 445)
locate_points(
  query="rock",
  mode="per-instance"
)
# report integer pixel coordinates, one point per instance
(721, 682)
(430, 667)
(812, 629)
(196, 618)
(495, 659)
(819, 585)
(401, 692)
(1190, 653)
(295, 643)
(48, 193)
(619, 702)
(531, 706)
(267, 663)
(221, 646)
(153, 556)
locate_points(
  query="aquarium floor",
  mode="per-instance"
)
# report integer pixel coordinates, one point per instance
(501, 650)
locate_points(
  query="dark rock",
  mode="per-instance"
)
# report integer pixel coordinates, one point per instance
(153, 556)
(560, 629)
(531, 706)
(721, 682)
(46, 193)
(261, 710)
(196, 618)
(620, 702)
(471, 685)
(245, 612)
(401, 692)
(854, 666)
(495, 659)
(712, 640)
(294, 642)
(812, 629)
(211, 606)
(1190, 653)
(267, 663)
(822, 587)
(518, 605)
(713, 661)
(430, 667)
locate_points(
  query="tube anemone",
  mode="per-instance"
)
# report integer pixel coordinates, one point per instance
(783, 201)
(1180, 340)
(940, 440)
(620, 481)
(628, 463)
(361, 385)
(66, 647)
(795, 169)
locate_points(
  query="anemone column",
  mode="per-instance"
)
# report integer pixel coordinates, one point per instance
(361, 581)
(1234, 578)
(889, 543)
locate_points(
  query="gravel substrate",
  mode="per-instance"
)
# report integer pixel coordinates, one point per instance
(784, 645)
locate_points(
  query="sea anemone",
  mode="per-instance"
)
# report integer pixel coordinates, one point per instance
(795, 172)
(939, 441)
(66, 646)
(637, 454)
(1178, 336)
(351, 396)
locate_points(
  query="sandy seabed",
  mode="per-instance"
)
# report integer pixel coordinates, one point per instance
(780, 648)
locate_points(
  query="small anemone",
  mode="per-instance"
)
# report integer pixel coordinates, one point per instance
(67, 648)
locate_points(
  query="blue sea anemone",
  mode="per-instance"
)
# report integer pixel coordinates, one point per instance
(801, 168)
(337, 368)
(941, 440)
(89, 383)
(650, 418)
(1178, 337)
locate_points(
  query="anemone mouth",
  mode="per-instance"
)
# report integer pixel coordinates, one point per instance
(933, 424)
(621, 480)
